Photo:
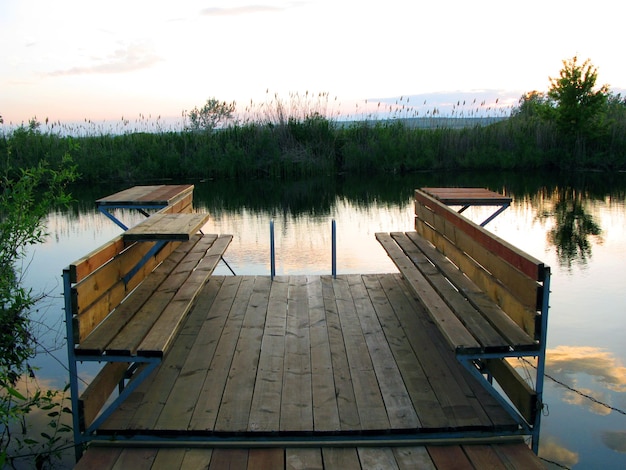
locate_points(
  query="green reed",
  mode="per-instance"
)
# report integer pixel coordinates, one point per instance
(305, 135)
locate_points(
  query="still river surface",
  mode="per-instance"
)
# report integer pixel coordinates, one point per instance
(576, 224)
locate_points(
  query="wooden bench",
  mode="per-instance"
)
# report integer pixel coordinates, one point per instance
(488, 298)
(125, 303)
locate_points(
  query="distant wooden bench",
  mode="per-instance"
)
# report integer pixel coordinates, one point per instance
(488, 298)
(126, 301)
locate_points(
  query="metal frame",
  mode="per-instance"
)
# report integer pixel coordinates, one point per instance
(104, 209)
(268, 439)
(502, 208)
(471, 362)
(82, 433)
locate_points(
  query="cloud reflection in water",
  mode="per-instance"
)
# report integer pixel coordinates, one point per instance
(598, 363)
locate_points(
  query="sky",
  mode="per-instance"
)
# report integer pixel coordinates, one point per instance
(75, 60)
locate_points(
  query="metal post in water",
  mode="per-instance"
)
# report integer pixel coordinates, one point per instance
(334, 248)
(272, 252)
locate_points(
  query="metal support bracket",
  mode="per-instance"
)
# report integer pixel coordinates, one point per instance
(104, 209)
(140, 264)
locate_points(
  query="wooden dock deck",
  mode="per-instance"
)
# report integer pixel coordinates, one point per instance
(309, 372)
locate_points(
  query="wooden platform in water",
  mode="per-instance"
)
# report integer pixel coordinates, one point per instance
(309, 361)
(450, 457)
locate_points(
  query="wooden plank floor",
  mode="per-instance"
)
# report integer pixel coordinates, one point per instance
(306, 356)
(261, 367)
(494, 456)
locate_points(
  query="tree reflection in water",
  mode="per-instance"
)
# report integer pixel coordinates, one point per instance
(572, 225)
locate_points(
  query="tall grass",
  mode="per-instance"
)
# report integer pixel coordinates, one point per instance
(305, 136)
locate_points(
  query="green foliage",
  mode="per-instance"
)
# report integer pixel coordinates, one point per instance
(574, 124)
(534, 106)
(210, 116)
(24, 205)
(26, 197)
(19, 445)
(579, 106)
(316, 146)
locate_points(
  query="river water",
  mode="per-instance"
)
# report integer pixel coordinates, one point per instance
(574, 223)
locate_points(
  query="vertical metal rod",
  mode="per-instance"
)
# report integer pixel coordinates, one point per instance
(72, 367)
(541, 359)
(272, 252)
(334, 248)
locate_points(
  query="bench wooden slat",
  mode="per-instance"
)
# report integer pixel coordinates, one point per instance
(98, 340)
(165, 328)
(91, 309)
(467, 196)
(514, 334)
(129, 195)
(452, 328)
(524, 262)
(167, 227)
(521, 395)
(86, 265)
(91, 288)
(480, 328)
(97, 393)
(518, 312)
(128, 338)
(151, 195)
(183, 205)
(526, 289)
(169, 194)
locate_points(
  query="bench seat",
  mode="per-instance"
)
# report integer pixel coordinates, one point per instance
(146, 320)
(470, 321)
(488, 299)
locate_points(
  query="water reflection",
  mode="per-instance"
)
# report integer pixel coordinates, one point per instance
(573, 224)
(615, 440)
(40, 438)
(567, 362)
(554, 451)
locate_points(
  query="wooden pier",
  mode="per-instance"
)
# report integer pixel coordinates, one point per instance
(351, 363)
(321, 372)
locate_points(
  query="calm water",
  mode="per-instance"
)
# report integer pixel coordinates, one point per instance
(577, 225)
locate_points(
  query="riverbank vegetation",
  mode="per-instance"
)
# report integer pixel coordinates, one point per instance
(574, 125)
(26, 198)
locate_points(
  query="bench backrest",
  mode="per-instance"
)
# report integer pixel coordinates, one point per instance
(104, 277)
(513, 279)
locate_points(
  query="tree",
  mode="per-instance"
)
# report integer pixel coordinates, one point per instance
(26, 197)
(579, 106)
(534, 105)
(213, 114)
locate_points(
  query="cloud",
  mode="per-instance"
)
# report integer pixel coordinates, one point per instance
(126, 59)
(243, 10)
